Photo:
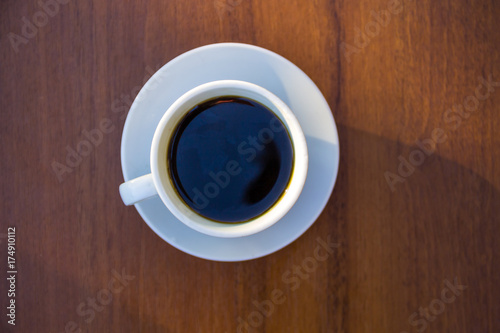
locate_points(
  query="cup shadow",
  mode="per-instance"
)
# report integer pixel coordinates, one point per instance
(442, 222)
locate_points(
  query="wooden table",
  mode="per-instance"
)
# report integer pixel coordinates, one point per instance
(416, 221)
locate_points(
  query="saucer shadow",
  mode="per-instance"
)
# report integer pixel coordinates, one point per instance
(397, 247)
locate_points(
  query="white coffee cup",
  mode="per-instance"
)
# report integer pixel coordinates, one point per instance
(158, 181)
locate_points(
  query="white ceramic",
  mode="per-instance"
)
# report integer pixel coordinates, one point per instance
(234, 62)
(158, 182)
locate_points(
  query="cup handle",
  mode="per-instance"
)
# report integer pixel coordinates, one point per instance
(138, 189)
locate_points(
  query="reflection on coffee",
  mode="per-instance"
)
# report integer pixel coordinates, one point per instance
(230, 159)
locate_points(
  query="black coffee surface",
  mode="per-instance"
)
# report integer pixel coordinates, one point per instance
(230, 159)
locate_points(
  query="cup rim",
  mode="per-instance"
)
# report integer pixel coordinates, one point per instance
(166, 189)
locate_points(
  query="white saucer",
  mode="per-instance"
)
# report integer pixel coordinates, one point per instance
(271, 71)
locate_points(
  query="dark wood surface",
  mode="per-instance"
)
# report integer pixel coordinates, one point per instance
(387, 88)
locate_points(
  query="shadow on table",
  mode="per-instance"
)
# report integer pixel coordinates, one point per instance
(441, 222)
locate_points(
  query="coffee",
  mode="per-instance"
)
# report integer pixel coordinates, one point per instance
(230, 159)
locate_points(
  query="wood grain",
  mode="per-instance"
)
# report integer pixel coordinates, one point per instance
(389, 85)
